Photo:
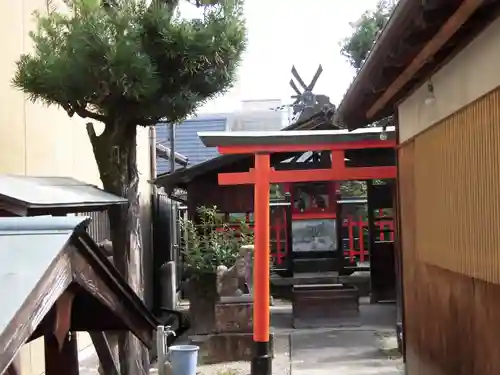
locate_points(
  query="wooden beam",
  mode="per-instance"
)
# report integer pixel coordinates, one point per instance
(417, 38)
(103, 349)
(62, 323)
(258, 148)
(463, 13)
(334, 174)
(429, 18)
(61, 351)
(389, 72)
(12, 369)
(61, 360)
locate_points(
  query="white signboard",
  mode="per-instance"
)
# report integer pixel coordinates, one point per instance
(314, 235)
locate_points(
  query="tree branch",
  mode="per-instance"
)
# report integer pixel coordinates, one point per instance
(85, 113)
(146, 122)
(92, 134)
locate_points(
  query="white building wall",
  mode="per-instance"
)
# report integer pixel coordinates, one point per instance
(36, 140)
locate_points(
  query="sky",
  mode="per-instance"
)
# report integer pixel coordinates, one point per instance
(282, 33)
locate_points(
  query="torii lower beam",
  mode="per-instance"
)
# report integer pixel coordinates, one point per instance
(261, 144)
(336, 173)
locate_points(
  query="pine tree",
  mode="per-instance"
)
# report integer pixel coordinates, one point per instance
(130, 63)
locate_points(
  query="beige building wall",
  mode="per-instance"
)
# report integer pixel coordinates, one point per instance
(467, 77)
(449, 168)
(36, 140)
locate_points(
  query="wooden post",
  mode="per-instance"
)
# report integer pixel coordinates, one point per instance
(262, 360)
(108, 362)
(61, 360)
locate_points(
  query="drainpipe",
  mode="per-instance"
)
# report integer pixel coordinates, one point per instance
(172, 265)
(152, 152)
(173, 226)
(152, 256)
(172, 147)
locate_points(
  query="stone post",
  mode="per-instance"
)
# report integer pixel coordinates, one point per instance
(247, 252)
(168, 283)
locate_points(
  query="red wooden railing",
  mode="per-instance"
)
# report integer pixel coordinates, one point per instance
(356, 244)
(358, 223)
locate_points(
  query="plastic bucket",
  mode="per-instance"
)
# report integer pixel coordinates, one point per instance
(183, 359)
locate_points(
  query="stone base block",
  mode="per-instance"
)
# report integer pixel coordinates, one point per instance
(226, 347)
(325, 305)
(233, 317)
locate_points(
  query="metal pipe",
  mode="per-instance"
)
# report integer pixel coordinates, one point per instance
(162, 333)
(161, 344)
(164, 152)
(172, 147)
(152, 152)
(173, 216)
(173, 221)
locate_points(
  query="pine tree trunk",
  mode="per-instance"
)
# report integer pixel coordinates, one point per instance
(115, 154)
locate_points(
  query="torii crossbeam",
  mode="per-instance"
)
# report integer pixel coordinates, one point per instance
(262, 144)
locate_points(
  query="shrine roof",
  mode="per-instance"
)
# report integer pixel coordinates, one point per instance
(22, 263)
(43, 257)
(24, 193)
(419, 38)
(294, 137)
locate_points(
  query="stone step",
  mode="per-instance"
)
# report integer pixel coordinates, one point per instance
(325, 305)
(314, 265)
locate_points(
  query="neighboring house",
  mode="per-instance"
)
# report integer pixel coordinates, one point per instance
(187, 142)
(40, 141)
(259, 114)
(440, 77)
(253, 115)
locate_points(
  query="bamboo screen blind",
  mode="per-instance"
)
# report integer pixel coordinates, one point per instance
(407, 209)
(457, 191)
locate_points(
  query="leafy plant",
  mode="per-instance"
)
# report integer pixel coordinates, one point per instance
(365, 32)
(212, 242)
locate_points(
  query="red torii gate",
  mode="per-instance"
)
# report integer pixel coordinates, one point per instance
(262, 144)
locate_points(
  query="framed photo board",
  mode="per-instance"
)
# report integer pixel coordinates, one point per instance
(314, 235)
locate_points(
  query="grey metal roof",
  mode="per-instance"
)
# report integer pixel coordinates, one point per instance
(45, 192)
(28, 246)
(296, 137)
(36, 257)
(187, 142)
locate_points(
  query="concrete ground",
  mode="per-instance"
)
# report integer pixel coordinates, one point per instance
(342, 352)
(365, 350)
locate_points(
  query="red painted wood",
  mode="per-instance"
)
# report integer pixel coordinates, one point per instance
(357, 145)
(261, 266)
(312, 175)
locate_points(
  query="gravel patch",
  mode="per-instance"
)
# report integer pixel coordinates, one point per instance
(281, 362)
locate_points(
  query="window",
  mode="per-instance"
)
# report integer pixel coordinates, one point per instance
(311, 196)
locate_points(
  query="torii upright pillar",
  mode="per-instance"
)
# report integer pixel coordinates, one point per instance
(262, 360)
